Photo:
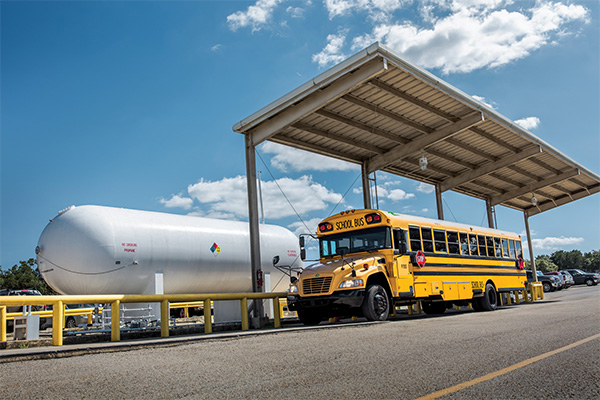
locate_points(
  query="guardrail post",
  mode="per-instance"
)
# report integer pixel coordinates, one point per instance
(2, 324)
(419, 308)
(517, 295)
(115, 321)
(508, 298)
(58, 318)
(244, 311)
(276, 314)
(207, 317)
(164, 318)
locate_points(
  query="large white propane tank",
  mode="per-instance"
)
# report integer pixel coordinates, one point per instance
(105, 250)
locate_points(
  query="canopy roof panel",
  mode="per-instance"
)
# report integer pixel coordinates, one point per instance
(378, 110)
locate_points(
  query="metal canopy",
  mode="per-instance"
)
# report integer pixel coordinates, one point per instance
(378, 110)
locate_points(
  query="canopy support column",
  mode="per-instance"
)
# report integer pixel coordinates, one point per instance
(490, 214)
(438, 201)
(530, 245)
(366, 186)
(255, 261)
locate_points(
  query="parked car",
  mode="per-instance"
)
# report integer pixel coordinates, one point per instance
(580, 277)
(550, 283)
(14, 309)
(72, 321)
(566, 279)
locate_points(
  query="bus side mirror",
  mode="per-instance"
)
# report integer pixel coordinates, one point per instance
(302, 254)
(275, 260)
(301, 242)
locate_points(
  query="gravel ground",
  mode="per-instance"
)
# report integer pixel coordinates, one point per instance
(405, 358)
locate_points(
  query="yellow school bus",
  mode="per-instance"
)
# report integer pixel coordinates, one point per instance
(372, 260)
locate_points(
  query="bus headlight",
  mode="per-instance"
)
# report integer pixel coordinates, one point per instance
(293, 289)
(351, 284)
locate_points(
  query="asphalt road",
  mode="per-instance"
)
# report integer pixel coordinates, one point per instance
(406, 358)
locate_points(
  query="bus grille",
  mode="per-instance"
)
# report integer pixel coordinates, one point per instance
(316, 285)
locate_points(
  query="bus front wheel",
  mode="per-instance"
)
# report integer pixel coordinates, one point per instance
(376, 306)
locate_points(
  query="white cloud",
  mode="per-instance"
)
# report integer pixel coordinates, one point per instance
(297, 12)
(229, 196)
(383, 193)
(425, 188)
(484, 101)
(528, 123)
(332, 52)
(176, 201)
(399, 195)
(476, 34)
(216, 47)
(553, 243)
(256, 16)
(288, 158)
(299, 227)
(378, 9)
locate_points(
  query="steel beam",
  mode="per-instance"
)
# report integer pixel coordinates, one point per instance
(338, 138)
(382, 111)
(490, 167)
(411, 99)
(253, 221)
(534, 187)
(363, 127)
(401, 151)
(438, 201)
(316, 100)
(530, 245)
(366, 186)
(548, 205)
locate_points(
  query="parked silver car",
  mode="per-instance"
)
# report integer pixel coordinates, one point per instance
(72, 321)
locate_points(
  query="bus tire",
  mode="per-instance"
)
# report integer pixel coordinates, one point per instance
(376, 306)
(430, 307)
(309, 317)
(489, 302)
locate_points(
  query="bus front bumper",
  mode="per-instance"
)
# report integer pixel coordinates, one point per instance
(334, 304)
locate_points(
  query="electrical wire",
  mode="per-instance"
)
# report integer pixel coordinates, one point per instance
(281, 190)
(344, 196)
(449, 209)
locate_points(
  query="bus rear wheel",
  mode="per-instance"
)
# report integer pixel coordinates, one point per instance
(376, 306)
(489, 301)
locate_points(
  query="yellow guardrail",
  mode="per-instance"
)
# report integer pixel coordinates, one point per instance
(58, 309)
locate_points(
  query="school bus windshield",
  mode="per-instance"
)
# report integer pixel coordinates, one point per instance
(355, 241)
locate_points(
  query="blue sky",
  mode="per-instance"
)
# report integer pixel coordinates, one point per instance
(130, 104)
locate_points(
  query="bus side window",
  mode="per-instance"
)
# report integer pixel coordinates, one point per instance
(453, 245)
(440, 241)
(490, 245)
(464, 244)
(498, 247)
(473, 244)
(400, 241)
(481, 241)
(427, 239)
(512, 248)
(415, 238)
(505, 252)
(519, 249)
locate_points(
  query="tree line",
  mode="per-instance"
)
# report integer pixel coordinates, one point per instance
(24, 275)
(574, 259)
